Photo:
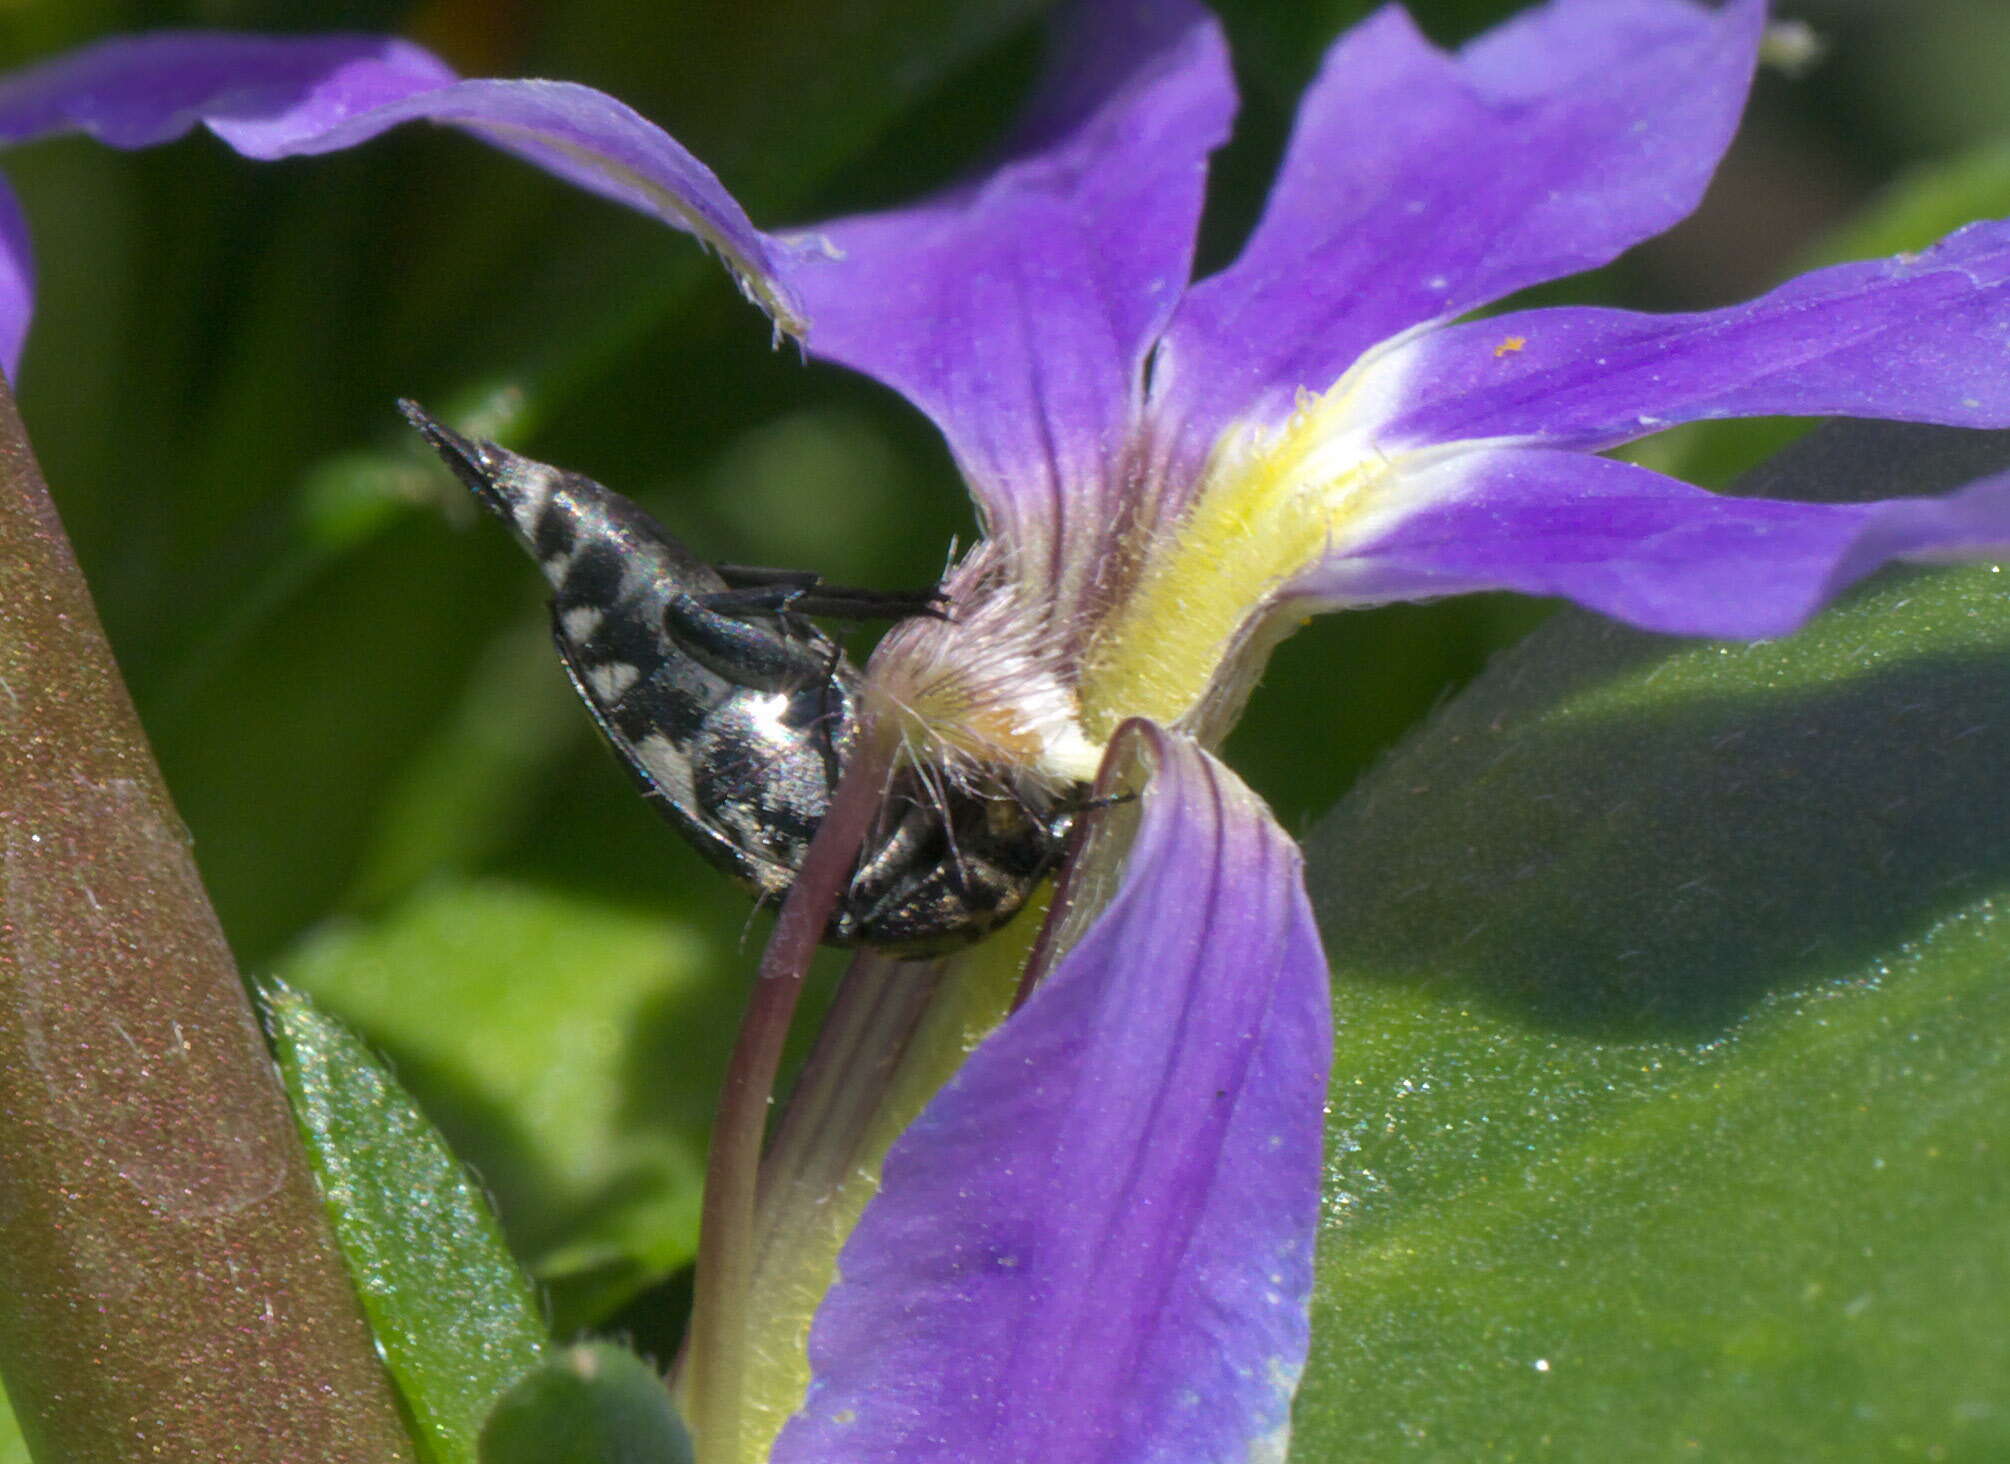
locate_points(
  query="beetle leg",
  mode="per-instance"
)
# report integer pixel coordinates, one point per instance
(750, 653)
(752, 590)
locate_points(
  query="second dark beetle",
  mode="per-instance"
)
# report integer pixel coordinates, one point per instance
(735, 714)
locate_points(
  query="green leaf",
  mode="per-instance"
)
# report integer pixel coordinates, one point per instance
(13, 1448)
(1924, 204)
(452, 1314)
(1671, 1104)
(593, 1404)
(565, 1044)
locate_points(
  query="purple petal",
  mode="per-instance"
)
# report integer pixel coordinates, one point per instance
(604, 146)
(272, 97)
(1016, 310)
(17, 282)
(1920, 337)
(1419, 186)
(1096, 1243)
(1644, 548)
(137, 91)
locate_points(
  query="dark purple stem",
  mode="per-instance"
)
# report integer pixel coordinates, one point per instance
(1069, 909)
(717, 1354)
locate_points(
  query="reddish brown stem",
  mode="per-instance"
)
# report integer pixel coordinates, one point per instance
(168, 1286)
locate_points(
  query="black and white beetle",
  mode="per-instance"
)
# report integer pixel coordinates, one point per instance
(735, 714)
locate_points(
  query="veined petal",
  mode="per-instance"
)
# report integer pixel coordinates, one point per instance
(273, 97)
(1919, 337)
(1641, 547)
(1095, 1244)
(1420, 185)
(1016, 310)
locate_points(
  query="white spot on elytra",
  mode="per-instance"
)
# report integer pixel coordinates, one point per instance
(581, 621)
(669, 768)
(555, 568)
(610, 679)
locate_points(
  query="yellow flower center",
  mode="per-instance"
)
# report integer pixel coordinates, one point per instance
(1033, 676)
(1271, 504)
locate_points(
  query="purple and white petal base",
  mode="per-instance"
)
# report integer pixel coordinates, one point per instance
(1125, 1274)
(1644, 548)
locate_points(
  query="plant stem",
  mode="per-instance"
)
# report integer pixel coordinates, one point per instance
(168, 1285)
(718, 1354)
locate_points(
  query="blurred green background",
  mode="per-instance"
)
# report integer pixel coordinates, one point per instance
(343, 668)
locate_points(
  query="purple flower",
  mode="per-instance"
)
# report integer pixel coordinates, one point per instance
(1095, 1243)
